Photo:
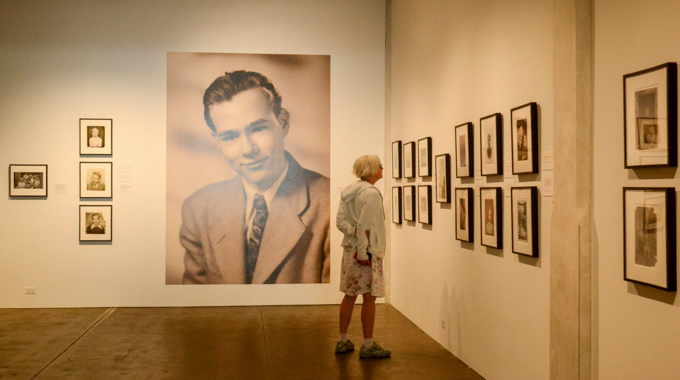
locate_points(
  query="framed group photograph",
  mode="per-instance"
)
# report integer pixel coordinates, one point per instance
(95, 223)
(425, 204)
(442, 170)
(649, 236)
(525, 220)
(524, 131)
(491, 212)
(96, 179)
(409, 205)
(396, 159)
(650, 116)
(464, 147)
(409, 159)
(464, 215)
(491, 144)
(27, 180)
(425, 157)
(96, 137)
(396, 205)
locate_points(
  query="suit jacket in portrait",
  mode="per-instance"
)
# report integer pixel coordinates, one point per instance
(295, 245)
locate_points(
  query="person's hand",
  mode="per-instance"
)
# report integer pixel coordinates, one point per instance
(364, 262)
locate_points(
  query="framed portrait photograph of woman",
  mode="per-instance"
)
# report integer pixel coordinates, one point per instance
(491, 144)
(524, 132)
(464, 215)
(491, 212)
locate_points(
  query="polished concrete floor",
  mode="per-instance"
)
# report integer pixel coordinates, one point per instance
(269, 342)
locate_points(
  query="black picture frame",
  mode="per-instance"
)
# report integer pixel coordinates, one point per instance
(649, 237)
(396, 159)
(425, 204)
(524, 132)
(409, 164)
(442, 171)
(409, 205)
(104, 232)
(464, 204)
(525, 223)
(396, 205)
(104, 143)
(491, 144)
(27, 181)
(88, 170)
(491, 217)
(650, 117)
(465, 158)
(425, 157)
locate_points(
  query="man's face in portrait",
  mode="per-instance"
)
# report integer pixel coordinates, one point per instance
(251, 136)
(95, 178)
(95, 220)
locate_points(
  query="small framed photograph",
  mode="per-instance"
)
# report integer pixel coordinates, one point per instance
(95, 223)
(524, 130)
(425, 204)
(464, 157)
(650, 116)
(442, 170)
(649, 237)
(396, 205)
(491, 206)
(27, 180)
(525, 220)
(491, 144)
(409, 160)
(464, 215)
(96, 137)
(96, 179)
(396, 159)
(425, 157)
(409, 204)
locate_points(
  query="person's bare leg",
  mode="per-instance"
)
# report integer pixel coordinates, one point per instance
(368, 315)
(346, 308)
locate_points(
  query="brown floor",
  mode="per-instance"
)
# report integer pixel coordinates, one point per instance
(270, 342)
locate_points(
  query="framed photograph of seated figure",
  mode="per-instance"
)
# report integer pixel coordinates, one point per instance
(409, 205)
(649, 237)
(464, 215)
(96, 137)
(491, 212)
(525, 220)
(464, 147)
(491, 144)
(409, 163)
(524, 131)
(650, 117)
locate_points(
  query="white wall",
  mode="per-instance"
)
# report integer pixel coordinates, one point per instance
(454, 62)
(639, 327)
(65, 60)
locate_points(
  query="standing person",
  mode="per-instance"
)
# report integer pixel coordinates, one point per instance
(361, 218)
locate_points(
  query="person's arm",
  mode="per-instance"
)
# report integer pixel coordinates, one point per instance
(341, 220)
(371, 208)
(194, 258)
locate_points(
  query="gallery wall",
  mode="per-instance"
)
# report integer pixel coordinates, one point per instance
(454, 62)
(101, 59)
(638, 326)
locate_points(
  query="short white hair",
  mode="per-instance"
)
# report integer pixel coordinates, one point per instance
(366, 166)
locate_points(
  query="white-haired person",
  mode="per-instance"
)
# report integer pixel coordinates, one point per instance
(361, 218)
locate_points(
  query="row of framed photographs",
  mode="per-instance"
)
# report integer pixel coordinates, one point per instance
(524, 201)
(524, 133)
(96, 180)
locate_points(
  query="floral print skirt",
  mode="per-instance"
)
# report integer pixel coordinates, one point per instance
(358, 279)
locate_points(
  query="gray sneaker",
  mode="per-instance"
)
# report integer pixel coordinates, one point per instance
(344, 347)
(374, 351)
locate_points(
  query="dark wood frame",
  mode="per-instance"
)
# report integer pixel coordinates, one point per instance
(428, 190)
(470, 150)
(470, 213)
(411, 148)
(427, 141)
(533, 144)
(398, 218)
(447, 170)
(532, 221)
(498, 216)
(43, 194)
(396, 145)
(499, 144)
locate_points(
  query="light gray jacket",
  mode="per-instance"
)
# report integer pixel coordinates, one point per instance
(361, 209)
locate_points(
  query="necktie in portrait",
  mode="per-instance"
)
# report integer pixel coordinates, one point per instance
(255, 238)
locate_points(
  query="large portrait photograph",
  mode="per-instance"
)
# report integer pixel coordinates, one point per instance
(248, 167)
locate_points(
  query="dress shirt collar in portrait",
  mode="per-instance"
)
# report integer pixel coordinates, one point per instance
(267, 194)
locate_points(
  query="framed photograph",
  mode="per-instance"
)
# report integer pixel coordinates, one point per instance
(425, 204)
(96, 179)
(27, 180)
(396, 205)
(491, 144)
(396, 159)
(442, 170)
(409, 160)
(425, 157)
(95, 223)
(409, 204)
(464, 215)
(96, 137)
(491, 211)
(649, 236)
(650, 116)
(525, 220)
(464, 157)
(524, 128)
